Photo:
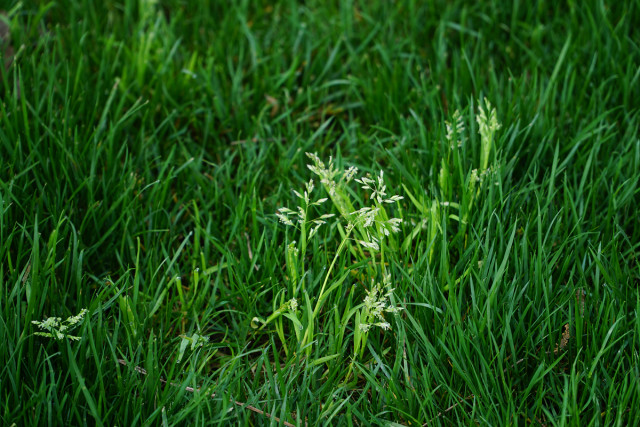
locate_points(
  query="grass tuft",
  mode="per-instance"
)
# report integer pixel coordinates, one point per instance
(461, 247)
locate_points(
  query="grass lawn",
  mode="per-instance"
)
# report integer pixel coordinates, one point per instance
(319, 213)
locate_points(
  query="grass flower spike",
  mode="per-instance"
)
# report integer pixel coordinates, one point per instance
(375, 304)
(372, 227)
(488, 125)
(58, 329)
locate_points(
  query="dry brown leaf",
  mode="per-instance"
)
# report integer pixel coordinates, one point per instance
(273, 102)
(564, 341)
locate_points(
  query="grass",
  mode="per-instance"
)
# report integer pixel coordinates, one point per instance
(146, 148)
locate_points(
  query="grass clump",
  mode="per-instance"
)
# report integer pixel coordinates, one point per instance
(371, 226)
(489, 275)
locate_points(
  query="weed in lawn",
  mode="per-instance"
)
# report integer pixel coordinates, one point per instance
(59, 329)
(459, 181)
(150, 143)
(374, 230)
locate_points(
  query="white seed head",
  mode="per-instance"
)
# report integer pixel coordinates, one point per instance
(455, 130)
(384, 325)
(364, 327)
(302, 214)
(283, 219)
(369, 245)
(350, 173)
(474, 176)
(393, 199)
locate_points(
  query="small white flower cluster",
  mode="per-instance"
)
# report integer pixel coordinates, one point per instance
(285, 214)
(479, 176)
(328, 175)
(487, 124)
(379, 189)
(335, 181)
(368, 216)
(376, 303)
(455, 130)
(350, 173)
(58, 329)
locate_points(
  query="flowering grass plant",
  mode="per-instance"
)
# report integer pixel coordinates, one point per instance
(57, 328)
(309, 213)
(367, 230)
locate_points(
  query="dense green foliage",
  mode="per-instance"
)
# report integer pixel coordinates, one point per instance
(145, 148)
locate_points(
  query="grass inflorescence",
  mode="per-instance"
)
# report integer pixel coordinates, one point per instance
(336, 213)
